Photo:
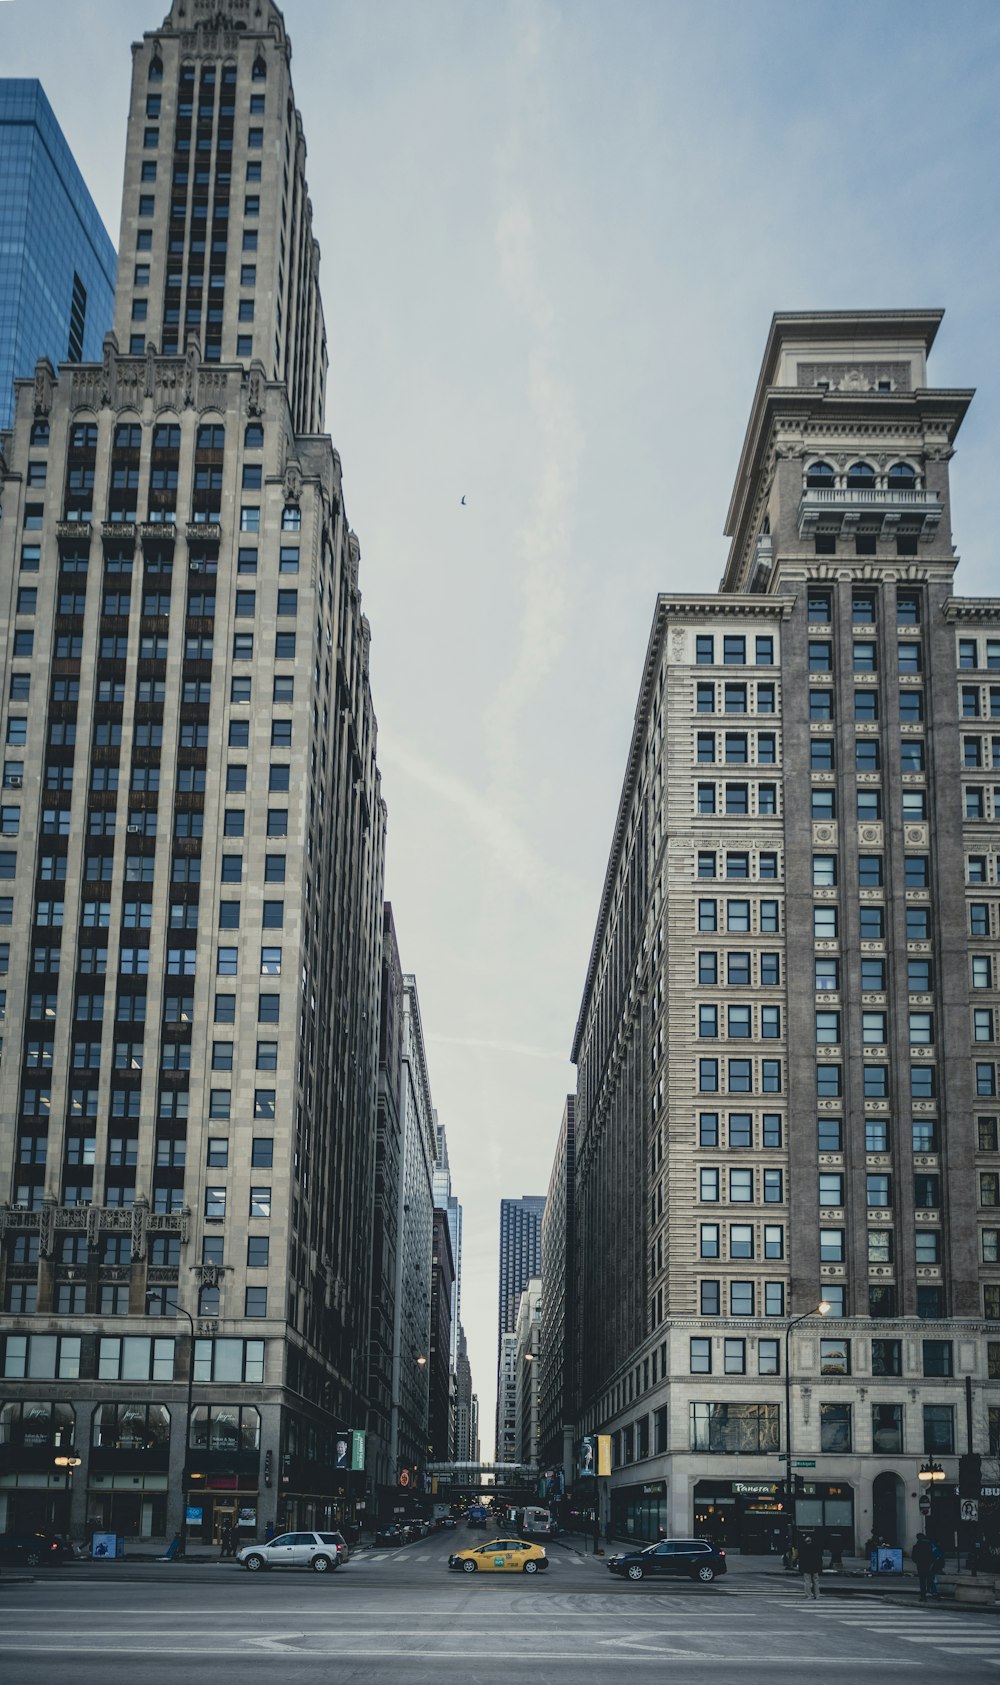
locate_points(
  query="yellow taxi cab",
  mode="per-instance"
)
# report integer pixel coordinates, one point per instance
(500, 1556)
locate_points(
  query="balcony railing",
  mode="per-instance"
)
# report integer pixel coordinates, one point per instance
(848, 508)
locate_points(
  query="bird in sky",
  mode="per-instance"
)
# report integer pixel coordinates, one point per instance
(463, 499)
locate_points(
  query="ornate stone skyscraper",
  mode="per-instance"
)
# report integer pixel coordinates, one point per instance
(787, 1049)
(193, 840)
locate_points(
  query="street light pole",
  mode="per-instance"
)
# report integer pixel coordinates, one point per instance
(821, 1309)
(67, 1464)
(173, 1306)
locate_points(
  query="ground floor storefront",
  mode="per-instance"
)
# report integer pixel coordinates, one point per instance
(846, 1501)
(253, 1463)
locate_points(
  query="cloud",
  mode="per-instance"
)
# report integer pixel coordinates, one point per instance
(521, 1049)
(543, 542)
(501, 836)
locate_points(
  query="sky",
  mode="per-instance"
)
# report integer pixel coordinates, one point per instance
(553, 235)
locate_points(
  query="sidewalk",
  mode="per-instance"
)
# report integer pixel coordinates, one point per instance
(853, 1579)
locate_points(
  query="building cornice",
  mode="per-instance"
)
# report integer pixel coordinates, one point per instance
(972, 608)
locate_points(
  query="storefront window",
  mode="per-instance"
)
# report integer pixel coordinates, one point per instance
(37, 1424)
(131, 1427)
(225, 1427)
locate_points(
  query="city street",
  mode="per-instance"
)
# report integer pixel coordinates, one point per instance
(399, 1615)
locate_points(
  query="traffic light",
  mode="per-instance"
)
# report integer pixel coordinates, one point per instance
(970, 1468)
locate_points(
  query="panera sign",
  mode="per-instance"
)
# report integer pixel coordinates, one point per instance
(755, 1488)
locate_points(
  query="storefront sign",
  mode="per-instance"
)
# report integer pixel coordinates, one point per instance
(247, 1516)
(194, 1515)
(755, 1488)
(654, 1489)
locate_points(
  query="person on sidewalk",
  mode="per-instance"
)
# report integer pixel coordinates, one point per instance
(810, 1562)
(924, 1561)
(226, 1541)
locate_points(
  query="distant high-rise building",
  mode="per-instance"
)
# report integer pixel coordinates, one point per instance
(528, 1370)
(414, 1252)
(57, 261)
(447, 1202)
(441, 1437)
(466, 1405)
(520, 1259)
(559, 1299)
(193, 841)
(382, 1475)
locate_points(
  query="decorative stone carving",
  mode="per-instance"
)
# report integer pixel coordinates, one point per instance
(255, 393)
(854, 377)
(192, 357)
(46, 1228)
(293, 481)
(108, 368)
(44, 380)
(140, 1212)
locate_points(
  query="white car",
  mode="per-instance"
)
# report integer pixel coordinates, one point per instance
(322, 1552)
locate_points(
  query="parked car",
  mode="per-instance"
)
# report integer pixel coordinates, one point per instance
(394, 1533)
(500, 1556)
(36, 1550)
(697, 1559)
(322, 1552)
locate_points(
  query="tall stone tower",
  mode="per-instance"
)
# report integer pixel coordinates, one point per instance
(193, 839)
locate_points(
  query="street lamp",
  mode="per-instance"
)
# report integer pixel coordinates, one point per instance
(171, 1305)
(930, 1473)
(67, 1464)
(822, 1309)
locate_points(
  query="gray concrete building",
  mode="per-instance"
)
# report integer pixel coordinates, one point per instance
(787, 1043)
(381, 1470)
(528, 1371)
(193, 839)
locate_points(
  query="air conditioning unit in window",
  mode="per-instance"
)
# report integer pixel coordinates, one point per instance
(14, 782)
(134, 830)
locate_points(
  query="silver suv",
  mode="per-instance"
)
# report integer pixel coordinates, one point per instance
(322, 1552)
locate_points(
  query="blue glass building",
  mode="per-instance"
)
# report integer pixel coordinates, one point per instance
(57, 262)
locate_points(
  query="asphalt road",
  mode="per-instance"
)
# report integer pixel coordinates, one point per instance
(400, 1616)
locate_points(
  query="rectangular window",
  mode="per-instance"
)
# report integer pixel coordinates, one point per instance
(835, 1428)
(939, 1429)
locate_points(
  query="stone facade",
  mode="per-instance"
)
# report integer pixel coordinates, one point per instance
(786, 1050)
(194, 843)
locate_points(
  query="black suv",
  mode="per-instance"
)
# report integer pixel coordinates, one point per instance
(697, 1559)
(35, 1550)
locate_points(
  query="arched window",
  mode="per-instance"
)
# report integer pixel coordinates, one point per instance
(155, 70)
(253, 438)
(40, 433)
(259, 70)
(861, 477)
(902, 477)
(819, 475)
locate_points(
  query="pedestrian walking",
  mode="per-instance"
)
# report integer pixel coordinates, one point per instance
(269, 1534)
(811, 1563)
(226, 1540)
(925, 1561)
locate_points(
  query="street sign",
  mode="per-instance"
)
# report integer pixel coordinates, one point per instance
(924, 1505)
(806, 1463)
(969, 1509)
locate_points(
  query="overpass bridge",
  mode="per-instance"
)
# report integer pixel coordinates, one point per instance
(514, 1478)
